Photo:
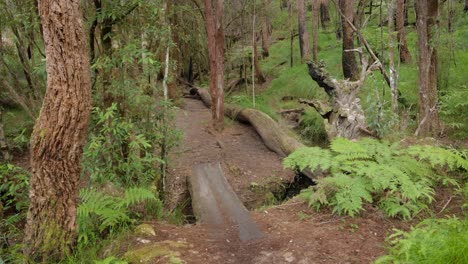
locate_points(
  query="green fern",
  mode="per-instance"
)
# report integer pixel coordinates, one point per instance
(432, 241)
(398, 180)
(99, 212)
(312, 158)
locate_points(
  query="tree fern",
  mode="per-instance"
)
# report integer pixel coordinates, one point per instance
(398, 180)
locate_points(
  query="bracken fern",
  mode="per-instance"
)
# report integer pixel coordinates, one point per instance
(399, 180)
(100, 213)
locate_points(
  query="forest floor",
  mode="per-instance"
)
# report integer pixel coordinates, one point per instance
(294, 232)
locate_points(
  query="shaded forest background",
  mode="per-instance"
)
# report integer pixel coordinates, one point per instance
(393, 70)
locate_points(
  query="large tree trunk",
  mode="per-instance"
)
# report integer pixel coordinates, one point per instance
(59, 134)
(466, 6)
(405, 55)
(350, 66)
(303, 34)
(214, 28)
(426, 16)
(315, 29)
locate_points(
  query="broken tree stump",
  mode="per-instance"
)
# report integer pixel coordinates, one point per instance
(215, 204)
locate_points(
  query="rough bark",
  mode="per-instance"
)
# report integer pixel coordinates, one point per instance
(303, 33)
(349, 63)
(59, 134)
(343, 113)
(426, 17)
(315, 29)
(214, 28)
(405, 55)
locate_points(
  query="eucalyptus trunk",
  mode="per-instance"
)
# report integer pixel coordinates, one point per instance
(214, 28)
(349, 63)
(59, 133)
(426, 19)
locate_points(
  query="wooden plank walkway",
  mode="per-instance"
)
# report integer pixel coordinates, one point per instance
(215, 204)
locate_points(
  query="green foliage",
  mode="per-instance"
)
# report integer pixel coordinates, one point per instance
(14, 186)
(398, 180)
(380, 117)
(100, 214)
(443, 241)
(453, 112)
(118, 152)
(312, 128)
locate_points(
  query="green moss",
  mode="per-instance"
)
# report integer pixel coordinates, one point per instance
(147, 254)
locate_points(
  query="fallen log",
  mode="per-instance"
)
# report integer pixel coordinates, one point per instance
(215, 203)
(274, 136)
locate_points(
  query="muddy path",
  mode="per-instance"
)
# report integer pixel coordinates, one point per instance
(293, 232)
(246, 162)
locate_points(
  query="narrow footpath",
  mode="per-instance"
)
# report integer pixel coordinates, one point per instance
(292, 232)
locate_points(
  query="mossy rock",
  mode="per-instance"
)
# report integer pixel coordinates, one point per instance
(145, 230)
(163, 250)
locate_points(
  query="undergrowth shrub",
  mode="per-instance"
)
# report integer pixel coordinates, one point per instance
(453, 111)
(102, 214)
(119, 152)
(437, 241)
(14, 202)
(400, 180)
(312, 128)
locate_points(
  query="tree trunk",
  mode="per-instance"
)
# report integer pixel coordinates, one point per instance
(291, 34)
(405, 55)
(303, 34)
(258, 71)
(426, 16)
(391, 61)
(315, 29)
(214, 28)
(350, 67)
(466, 6)
(324, 13)
(59, 134)
(3, 144)
(266, 29)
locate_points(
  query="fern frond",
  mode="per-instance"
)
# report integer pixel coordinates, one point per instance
(350, 194)
(312, 158)
(437, 156)
(348, 149)
(136, 195)
(315, 197)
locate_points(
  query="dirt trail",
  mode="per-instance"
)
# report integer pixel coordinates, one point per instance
(293, 232)
(245, 160)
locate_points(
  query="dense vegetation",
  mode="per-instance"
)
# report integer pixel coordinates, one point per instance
(144, 53)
